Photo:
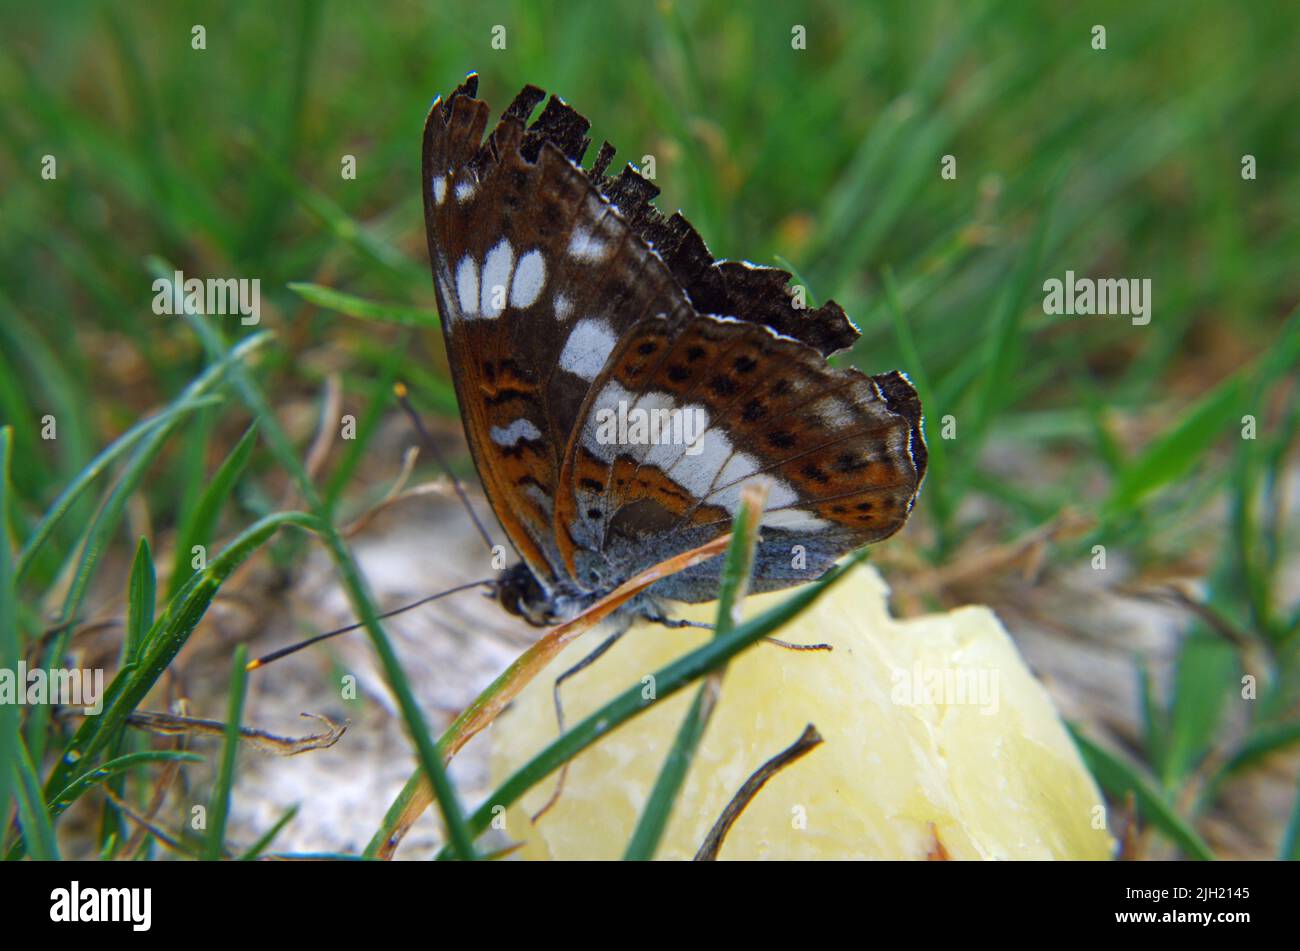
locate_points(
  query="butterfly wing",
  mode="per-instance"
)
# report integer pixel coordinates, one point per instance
(514, 231)
(553, 279)
(843, 452)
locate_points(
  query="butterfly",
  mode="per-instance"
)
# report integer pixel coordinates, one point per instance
(618, 386)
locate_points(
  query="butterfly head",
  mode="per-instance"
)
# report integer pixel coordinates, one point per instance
(521, 594)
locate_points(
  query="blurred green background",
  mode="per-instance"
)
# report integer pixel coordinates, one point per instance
(1081, 431)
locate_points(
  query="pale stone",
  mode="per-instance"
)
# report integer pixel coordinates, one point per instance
(989, 780)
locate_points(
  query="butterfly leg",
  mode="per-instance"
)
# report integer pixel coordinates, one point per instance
(580, 666)
(678, 622)
(681, 622)
(776, 641)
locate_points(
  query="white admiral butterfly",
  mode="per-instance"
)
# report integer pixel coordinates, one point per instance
(569, 302)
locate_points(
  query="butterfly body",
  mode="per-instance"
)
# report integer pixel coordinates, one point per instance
(618, 386)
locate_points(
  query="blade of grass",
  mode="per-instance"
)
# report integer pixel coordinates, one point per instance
(1177, 450)
(120, 447)
(188, 472)
(914, 155)
(483, 711)
(353, 306)
(1290, 851)
(33, 818)
(171, 631)
(673, 677)
(325, 210)
(96, 541)
(263, 843)
(219, 802)
(1109, 451)
(1256, 525)
(358, 593)
(658, 808)
(731, 591)
(10, 650)
(141, 593)
(1263, 741)
(1002, 349)
(1119, 777)
(168, 635)
(267, 199)
(1153, 726)
(140, 609)
(44, 370)
(111, 768)
(1202, 681)
(379, 401)
(201, 522)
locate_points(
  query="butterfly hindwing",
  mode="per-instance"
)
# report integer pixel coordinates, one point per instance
(735, 401)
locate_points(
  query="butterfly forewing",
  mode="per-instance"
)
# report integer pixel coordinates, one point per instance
(537, 278)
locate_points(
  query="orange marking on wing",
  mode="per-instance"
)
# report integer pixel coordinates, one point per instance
(585, 467)
(500, 474)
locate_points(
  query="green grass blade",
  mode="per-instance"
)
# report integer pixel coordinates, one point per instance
(339, 223)
(263, 843)
(107, 518)
(1153, 718)
(120, 447)
(266, 213)
(1281, 359)
(141, 594)
(61, 387)
(353, 306)
(168, 635)
(658, 808)
(113, 767)
(201, 522)
(380, 399)
(33, 818)
(731, 591)
(10, 650)
(1118, 777)
(1178, 449)
(358, 594)
(1263, 741)
(1290, 851)
(219, 801)
(674, 677)
(1202, 682)
(1003, 348)
(96, 541)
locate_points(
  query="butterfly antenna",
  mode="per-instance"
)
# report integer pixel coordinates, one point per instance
(400, 390)
(294, 648)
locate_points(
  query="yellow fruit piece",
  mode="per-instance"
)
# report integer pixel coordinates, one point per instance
(938, 743)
